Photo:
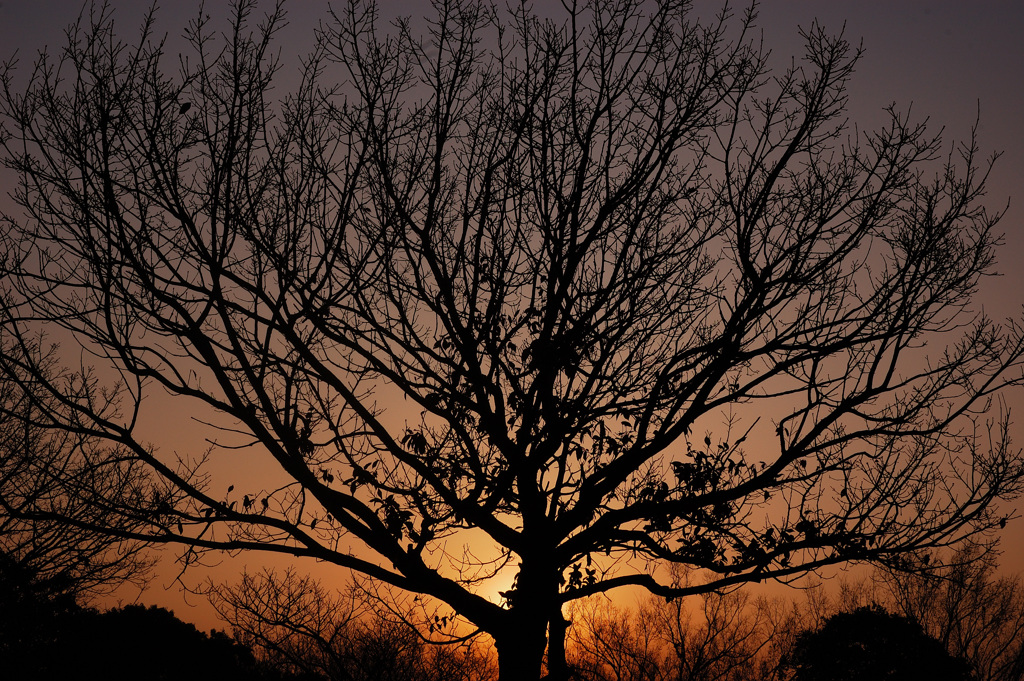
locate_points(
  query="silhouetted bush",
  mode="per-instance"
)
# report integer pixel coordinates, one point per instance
(31, 621)
(44, 637)
(870, 644)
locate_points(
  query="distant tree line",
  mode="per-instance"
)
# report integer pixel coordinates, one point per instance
(963, 624)
(957, 623)
(47, 635)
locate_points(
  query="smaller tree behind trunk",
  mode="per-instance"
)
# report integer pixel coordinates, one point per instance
(295, 624)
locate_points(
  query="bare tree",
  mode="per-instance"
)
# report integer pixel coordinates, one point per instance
(295, 623)
(506, 277)
(606, 642)
(299, 626)
(872, 643)
(727, 637)
(976, 614)
(54, 515)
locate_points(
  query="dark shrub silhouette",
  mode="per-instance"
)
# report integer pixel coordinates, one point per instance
(45, 637)
(123, 642)
(871, 644)
(32, 621)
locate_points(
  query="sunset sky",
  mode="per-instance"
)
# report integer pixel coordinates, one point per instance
(945, 60)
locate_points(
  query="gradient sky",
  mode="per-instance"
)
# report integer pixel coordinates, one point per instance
(945, 59)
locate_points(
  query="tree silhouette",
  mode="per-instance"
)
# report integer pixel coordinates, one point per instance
(974, 613)
(31, 617)
(601, 292)
(122, 642)
(55, 524)
(605, 642)
(721, 636)
(48, 636)
(869, 643)
(299, 626)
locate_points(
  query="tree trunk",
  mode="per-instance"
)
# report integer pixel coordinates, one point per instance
(521, 653)
(558, 669)
(522, 642)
